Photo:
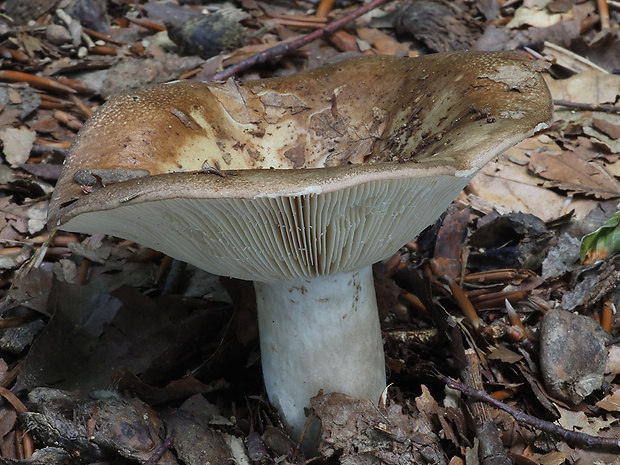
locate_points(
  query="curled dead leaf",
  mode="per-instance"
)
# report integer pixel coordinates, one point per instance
(572, 173)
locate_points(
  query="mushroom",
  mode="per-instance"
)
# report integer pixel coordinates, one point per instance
(300, 184)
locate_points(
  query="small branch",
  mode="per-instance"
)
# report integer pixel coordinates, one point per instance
(603, 11)
(464, 303)
(284, 48)
(587, 106)
(325, 6)
(159, 451)
(38, 82)
(571, 437)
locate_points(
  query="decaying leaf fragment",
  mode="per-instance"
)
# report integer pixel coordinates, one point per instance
(608, 124)
(592, 87)
(366, 432)
(17, 144)
(570, 172)
(97, 427)
(610, 402)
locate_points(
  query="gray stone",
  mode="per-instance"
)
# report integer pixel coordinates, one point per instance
(572, 355)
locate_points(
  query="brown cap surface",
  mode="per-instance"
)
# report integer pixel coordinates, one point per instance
(330, 170)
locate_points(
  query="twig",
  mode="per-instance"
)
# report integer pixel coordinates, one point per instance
(38, 82)
(284, 48)
(497, 299)
(150, 25)
(12, 399)
(325, 6)
(159, 452)
(26, 438)
(603, 11)
(297, 24)
(49, 102)
(588, 106)
(607, 315)
(571, 437)
(305, 430)
(313, 20)
(84, 109)
(464, 303)
(101, 36)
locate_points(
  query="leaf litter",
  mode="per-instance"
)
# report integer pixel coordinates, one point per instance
(113, 369)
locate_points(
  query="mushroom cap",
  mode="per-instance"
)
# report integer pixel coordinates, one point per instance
(324, 171)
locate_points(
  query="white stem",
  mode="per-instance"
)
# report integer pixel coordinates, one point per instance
(319, 334)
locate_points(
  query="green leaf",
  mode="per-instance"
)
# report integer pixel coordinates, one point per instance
(603, 242)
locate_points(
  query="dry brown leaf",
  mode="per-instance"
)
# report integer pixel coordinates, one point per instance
(570, 172)
(366, 433)
(611, 128)
(553, 458)
(507, 186)
(590, 87)
(344, 41)
(593, 457)
(611, 402)
(8, 419)
(14, 220)
(503, 353)
(602, 141)
(576, 456)
(383, 43)
(575, 420)
(537, 18)
(28, 219)
(17, 144)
